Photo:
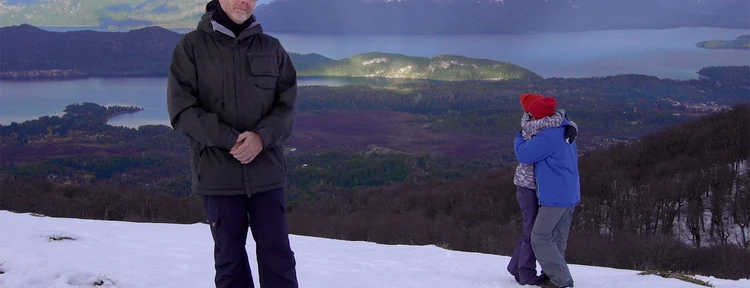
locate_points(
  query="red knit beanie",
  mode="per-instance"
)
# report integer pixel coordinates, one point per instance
(527, 98)
(542, 107)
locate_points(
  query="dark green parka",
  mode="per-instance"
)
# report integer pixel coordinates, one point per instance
(219, 86)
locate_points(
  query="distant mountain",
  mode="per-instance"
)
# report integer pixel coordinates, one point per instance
(308, 61)
(30, 52)
(497, 16)
(102, 13)
(742, 42)
(27, 51)
(394, 16)
(444, 67)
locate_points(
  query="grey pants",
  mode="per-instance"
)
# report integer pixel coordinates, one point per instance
(549, 237)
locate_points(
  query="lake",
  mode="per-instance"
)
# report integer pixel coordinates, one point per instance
(668, 53)
(25, 100)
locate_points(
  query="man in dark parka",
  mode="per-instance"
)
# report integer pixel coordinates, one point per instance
(232, 90)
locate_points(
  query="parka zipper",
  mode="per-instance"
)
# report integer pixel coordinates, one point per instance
(233, 46)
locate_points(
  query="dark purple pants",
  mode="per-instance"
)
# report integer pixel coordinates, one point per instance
(523, 263)
(229, 218)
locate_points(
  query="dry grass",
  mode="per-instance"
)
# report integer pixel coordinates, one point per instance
(61, 238)
(677, 275)
(398, 131)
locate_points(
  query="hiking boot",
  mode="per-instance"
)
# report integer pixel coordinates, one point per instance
(549, 284)
(542, 279)
(546, 284)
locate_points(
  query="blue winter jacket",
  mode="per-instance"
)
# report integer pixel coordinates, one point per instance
(556, 166)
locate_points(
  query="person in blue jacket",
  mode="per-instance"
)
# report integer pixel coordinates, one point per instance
(522, 264)
(558, 190)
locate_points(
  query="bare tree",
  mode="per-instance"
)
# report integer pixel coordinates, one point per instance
(695, 207)
(740, 209)
(722, 179)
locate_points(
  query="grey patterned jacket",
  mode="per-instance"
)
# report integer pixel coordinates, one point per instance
(529, 128)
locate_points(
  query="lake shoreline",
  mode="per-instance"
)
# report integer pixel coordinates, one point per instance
(185, 30)
(79, 77)
(366, 78)
(666, 54)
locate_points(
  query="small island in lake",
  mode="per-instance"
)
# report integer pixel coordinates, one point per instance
(742, 42)
(97, 112)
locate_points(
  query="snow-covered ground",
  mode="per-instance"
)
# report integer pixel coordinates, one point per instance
(122, 254)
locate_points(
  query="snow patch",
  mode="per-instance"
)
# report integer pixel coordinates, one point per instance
(442, 64)
(375, 61)
(133, 255)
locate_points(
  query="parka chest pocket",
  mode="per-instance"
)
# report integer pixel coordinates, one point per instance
(265, 70)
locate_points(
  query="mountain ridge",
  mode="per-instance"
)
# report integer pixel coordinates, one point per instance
(400, 17)
(440, 67)
(147, 52)
(29, 52)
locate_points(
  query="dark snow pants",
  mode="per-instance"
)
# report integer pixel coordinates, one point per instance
(229, 218)
(523, 263)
